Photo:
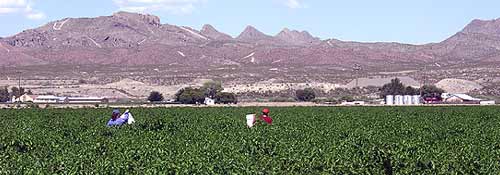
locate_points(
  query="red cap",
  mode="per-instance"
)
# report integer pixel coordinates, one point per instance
(265, 111)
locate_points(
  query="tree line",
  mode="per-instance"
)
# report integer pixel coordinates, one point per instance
(213, 90)
(197, 95)
(396, 87)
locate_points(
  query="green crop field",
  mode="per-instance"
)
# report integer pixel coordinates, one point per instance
(303, 140)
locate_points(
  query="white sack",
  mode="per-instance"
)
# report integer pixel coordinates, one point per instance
(250, 120)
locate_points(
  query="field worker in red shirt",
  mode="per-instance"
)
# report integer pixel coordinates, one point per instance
(251, 121)
(265, 116)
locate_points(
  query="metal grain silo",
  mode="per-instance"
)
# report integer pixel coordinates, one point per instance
(416, 99)
(407, 100)
(389, 100)
(399, 100)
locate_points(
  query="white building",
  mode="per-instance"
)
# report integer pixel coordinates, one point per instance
(49, 99)
(23, 98)
(487, 103)
(85, 100)
(354, 103)
(458, 98)
(209, 101)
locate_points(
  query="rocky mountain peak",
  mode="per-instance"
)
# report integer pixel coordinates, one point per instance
(210, 31)
(124, 37)
(487, 27)
(296, 37)
(145, 18)
(286, 30)
(208, 28)
(252, 34)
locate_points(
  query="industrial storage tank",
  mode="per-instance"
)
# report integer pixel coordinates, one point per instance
(389, 100)
(398, 100)
(416, 99)
(407, 100)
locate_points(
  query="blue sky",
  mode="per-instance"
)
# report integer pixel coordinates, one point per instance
(417, 21)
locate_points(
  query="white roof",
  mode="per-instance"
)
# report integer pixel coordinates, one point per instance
(85, 98)
(47, 97)
(463, 97)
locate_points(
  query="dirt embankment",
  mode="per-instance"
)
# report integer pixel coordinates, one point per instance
(458, 85)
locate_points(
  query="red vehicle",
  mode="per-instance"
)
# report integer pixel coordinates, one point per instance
(432, 100)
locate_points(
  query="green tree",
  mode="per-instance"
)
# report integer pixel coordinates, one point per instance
(411, 91)
(226, 98)
(211, 88)
(306, 94)
(395, 87)
(155, 97)
(179, 93)
(15, 91)
(4, 94)
(431, 91)
(190, 96)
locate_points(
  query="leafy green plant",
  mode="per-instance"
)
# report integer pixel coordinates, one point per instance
(302, 140)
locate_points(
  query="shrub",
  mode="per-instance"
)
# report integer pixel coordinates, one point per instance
(431, 91)
(4, 94)
(190, 96)
(211, 88)
(395, 87)
(155, 97)
(347, 98)
(307, 94)
(226, 98)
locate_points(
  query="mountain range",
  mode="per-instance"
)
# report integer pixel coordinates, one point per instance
(139, 39)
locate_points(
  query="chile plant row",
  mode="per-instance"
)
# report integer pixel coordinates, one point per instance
(302, 140)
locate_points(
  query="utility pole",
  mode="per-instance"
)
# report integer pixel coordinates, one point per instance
(424, 78)
(356, 69)
(19, 83)
(421, 82)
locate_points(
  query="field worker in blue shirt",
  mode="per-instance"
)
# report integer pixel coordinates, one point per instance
(117, 120)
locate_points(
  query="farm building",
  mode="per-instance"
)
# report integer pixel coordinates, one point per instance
(354, 103)
(56, 99)
(459, 98)
(85, 100)
(487, 103)
(209, 101)
(48, 99)
(24, 98)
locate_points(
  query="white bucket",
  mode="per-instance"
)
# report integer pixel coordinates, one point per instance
(250, 120)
